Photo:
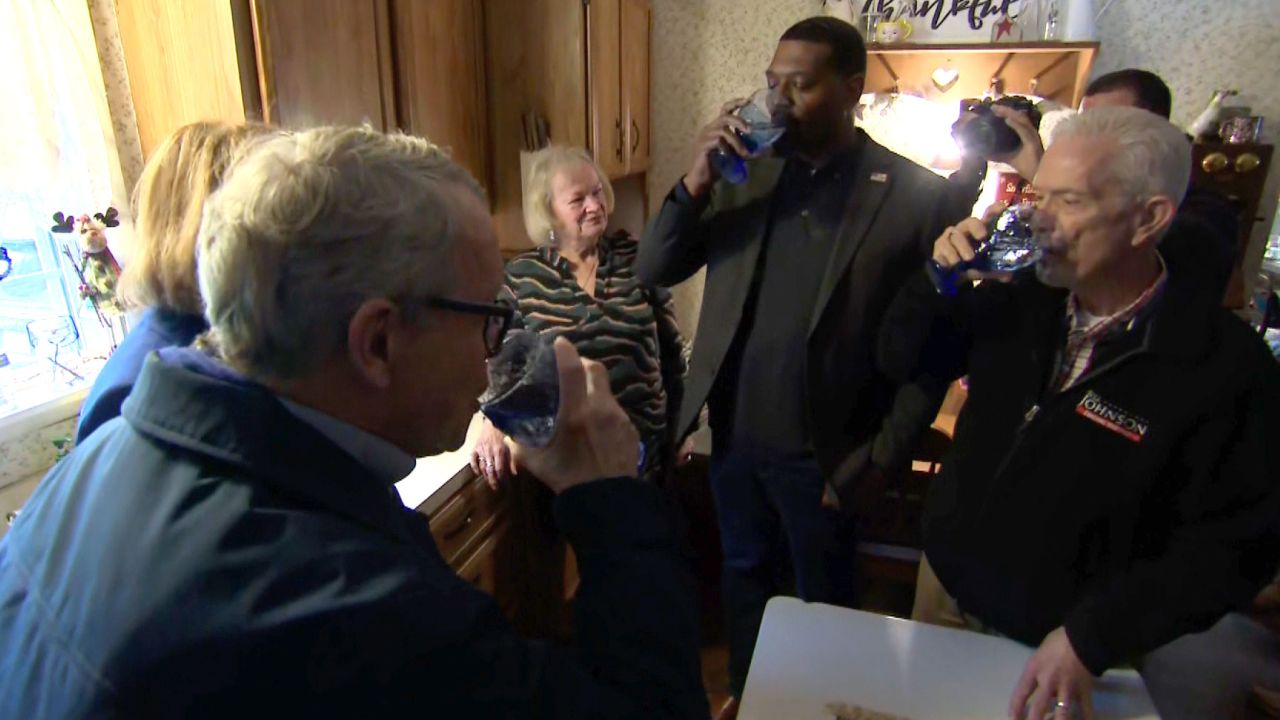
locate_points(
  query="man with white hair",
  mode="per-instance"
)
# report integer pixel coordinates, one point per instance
(1200, 244)
(234, 543)
(1113, 479)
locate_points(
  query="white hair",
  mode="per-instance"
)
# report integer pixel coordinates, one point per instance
(309, 225)
(1152, 157)
(544, 165)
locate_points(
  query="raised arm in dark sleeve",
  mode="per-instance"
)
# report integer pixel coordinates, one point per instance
(673, 247)
(673, 353)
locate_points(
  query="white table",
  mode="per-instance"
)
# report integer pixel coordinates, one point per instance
(809, 655)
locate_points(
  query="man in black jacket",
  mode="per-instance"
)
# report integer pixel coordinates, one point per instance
(802, 261)
(234, 545)
(1113, 481)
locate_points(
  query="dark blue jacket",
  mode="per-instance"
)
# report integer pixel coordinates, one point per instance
(209, 555)
(157, 328)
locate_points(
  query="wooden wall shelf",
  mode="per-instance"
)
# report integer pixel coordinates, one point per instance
(1056, 71)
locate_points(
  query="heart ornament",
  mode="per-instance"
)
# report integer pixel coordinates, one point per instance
(945, 77)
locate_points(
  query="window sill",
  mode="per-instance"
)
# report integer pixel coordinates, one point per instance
(23, 423)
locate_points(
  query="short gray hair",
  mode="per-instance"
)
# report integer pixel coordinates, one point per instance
(1152, 157)
(539, 221)
(309, 225)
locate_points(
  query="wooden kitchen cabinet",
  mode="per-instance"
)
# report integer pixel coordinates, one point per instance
(604, 68)
(618, 70)
(324, 62)
(505, 543)
(535, 62)
(636, 23)
(580, 65)
(465, 519)
(479, 568)
(395, 64)
(440, 77)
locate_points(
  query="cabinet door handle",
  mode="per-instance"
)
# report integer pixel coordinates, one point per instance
(457, 530)
(635, 136)
(617, 133)
(1247, 163)
(1214, 162)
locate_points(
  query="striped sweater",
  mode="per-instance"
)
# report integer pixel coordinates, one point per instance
(629, 328)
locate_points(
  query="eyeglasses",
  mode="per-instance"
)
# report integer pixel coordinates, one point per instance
(498, 318)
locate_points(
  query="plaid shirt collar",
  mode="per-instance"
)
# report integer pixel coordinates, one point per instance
(1079, 332)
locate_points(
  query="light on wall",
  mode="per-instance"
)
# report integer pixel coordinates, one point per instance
(913, 127)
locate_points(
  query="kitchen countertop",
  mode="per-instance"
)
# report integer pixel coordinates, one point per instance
(435, 472)
(436, 478)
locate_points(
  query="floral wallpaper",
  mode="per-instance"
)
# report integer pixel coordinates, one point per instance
(115, 78)
(706, 52)
(1198, 49)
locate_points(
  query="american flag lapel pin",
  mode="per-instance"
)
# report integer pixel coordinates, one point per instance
(879, 177)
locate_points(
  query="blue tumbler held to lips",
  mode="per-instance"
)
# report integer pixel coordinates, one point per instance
(766, 121)
(523, 398)
(1010, 246)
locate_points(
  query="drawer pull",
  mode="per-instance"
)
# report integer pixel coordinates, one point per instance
(1214, 162)
(459, 528)
(1247, 163)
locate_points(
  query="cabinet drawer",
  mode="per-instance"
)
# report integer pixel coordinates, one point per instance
(467, 515)
(480, 568)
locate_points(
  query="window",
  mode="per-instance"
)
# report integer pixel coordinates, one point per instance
(58, 155)
(51, 340)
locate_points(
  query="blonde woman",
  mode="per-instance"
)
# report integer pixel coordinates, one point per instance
(579, 283)
(161, 276)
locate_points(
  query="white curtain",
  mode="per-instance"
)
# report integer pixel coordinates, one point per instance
(56, 139)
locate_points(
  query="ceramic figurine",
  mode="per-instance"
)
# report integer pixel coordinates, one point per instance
(1206, 123)
(97, 267)
(101, 270)
(893, 31)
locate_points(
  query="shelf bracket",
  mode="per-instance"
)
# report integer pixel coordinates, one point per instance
(1035, 79)
(889, 69)
(995, 76)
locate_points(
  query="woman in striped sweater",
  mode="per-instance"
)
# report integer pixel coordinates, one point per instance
(579, 283)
